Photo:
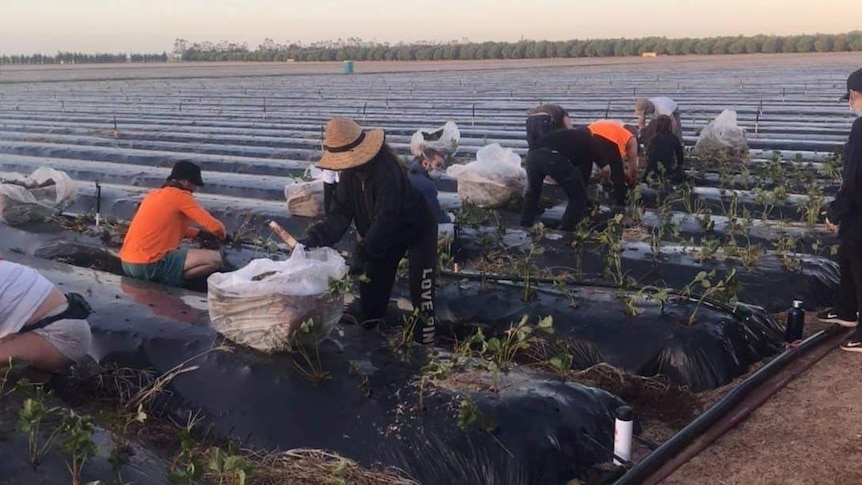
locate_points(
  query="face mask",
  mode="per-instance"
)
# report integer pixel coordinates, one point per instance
(856, 111)
(435, 173)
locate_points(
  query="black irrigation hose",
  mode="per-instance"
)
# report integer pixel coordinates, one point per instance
(521, 279)
(600, 284)
(670, 448)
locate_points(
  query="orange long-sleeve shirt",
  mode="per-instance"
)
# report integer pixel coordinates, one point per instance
(161, 223)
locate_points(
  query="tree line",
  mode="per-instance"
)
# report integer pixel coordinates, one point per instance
(356, 49)
(81, 58)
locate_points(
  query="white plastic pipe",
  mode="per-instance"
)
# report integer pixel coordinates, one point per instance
(623, 426)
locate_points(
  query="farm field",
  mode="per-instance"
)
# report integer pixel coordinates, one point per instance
(657, 309)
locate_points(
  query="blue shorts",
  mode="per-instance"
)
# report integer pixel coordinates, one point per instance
(168, 270)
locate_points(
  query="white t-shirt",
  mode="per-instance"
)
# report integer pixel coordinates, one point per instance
(663, 105)
(22, 292)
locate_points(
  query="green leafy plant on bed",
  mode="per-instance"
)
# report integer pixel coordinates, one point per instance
(812, 206)
(703, 287)
(34, 413)
(786, 248)
(186, 467)
(582, 234)
(632, 300)
(469, 415)
(767, 200)
(707, 248)
(122, 451)
(499, 353)
(610, 239)
(529, 270)
(749, 254)
(228, 466)
(831, 167)
(731, 209)
(305, 344)
(77, 445)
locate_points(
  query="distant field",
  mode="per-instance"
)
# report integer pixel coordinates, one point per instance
(840, 61)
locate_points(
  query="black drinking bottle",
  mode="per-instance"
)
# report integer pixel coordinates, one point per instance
(795, 322)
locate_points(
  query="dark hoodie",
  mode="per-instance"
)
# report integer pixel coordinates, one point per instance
(846, 209)
(383, 205)
(425, 185)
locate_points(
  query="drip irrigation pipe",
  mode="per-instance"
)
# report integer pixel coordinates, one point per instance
(661, 462)
(600, 284)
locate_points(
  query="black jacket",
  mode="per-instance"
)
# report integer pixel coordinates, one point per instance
(383, 205)
(665, 149)
(577, 145)
(846, 209)
(423, 183)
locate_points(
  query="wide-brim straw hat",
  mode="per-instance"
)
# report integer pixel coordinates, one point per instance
(346, 145)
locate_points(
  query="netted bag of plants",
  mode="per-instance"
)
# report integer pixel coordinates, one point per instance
(444, 139)
(493, 180)
(34, 197)
(267, 305)
(305, 199)
(722, 140)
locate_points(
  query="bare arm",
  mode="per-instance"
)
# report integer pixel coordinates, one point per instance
(632, 156)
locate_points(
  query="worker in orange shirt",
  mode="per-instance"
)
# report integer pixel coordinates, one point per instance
(151, 250)
(617, 146)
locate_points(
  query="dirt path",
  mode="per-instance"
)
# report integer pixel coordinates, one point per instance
(808, 433)
(81, 72)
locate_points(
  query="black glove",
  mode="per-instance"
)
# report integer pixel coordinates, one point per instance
(207, 240)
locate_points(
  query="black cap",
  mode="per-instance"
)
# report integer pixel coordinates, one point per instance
(187, 171)
(854, 83)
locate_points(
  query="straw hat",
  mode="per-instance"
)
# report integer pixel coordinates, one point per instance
(345, 145)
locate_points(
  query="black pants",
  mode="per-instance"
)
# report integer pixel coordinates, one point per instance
(542, 162)
(609, 153)
(422, 257)
(850, 291)
(669, 170)
(328, 193)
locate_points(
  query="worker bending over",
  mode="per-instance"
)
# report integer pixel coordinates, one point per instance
(39, 325)
(665, 156)
(391, 219)
(151, 250)
(651, 108)
(617, 147)
(563, 153)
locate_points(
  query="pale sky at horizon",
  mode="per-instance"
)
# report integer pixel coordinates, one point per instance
(28, 26)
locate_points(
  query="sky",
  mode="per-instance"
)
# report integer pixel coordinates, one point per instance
(46, 26)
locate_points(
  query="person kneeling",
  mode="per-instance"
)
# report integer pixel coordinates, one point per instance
(39, 325)
(418, 172)
(151, 250)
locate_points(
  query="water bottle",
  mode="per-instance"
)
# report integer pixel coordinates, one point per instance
(623, 426)
(795, 322)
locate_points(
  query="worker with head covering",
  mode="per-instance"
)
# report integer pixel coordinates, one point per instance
(151, 249)
(391, 218)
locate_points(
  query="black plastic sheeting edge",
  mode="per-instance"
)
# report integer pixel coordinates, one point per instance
(687, 435)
